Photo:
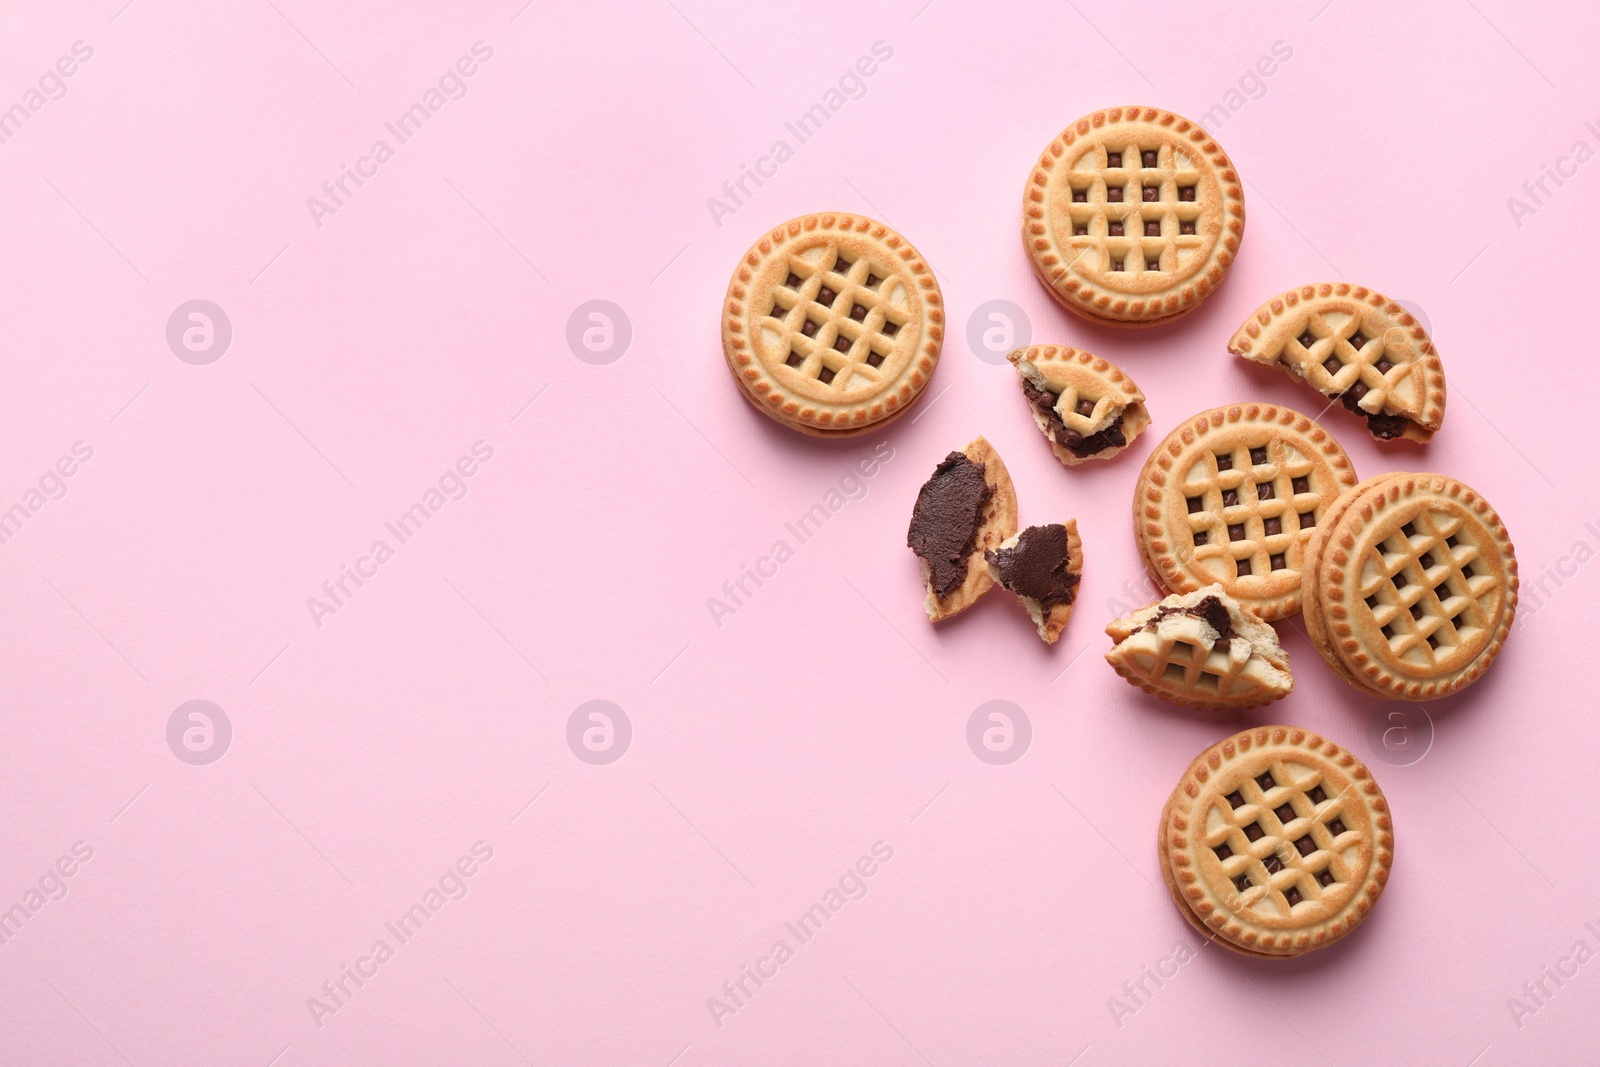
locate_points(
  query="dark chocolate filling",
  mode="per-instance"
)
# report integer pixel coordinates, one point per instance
(1385, 427)
(1210, 609)
(946, 518)
(1036, 567)
(1044, 402)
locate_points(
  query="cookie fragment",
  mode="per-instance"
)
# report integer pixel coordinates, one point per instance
(1356, 346)
(1275, 842)
(967, 506)
(1042, 566)
(1086, 407)
(1201, 649)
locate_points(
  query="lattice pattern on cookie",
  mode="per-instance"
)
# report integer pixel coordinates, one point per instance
(838, 322)
(1421, 588)
(1134, 207)
(1178, 653)
(1281, 840)
(1349, 358)
(1250, 507)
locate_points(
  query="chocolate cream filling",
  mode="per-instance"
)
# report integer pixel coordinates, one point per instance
(946, 520)
(1036, 566)
(1044, 402)
(1387, 427)
(1210, 610)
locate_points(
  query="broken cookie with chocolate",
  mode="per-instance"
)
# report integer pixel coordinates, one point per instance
(1202, 649)
(1085, 407)
(965, 508)
(1042, 566)
(1356, 346)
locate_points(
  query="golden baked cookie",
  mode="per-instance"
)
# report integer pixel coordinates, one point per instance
(1084, 405)
(966, 507)
(1356, 346)
(1275, 842)
(1232, 496)
(1203, 650)
(1413, 586)
(832, 324)
(1132, 216)
(1042, 566)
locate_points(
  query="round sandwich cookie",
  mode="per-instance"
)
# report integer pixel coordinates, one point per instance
(1356, 346)
(1411, 589)
(1132, 216)
(1275, 842)
(832, 324)
(1085, 406)
(1231, 497)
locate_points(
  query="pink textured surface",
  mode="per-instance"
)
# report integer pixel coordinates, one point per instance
(770, 752)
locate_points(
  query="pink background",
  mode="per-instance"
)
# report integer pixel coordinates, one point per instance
(767, 754)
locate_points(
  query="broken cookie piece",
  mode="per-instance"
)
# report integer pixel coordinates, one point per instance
(1201, 649)
(1042, 566)
(1356, 346)
(966, 507)
(1085, 407)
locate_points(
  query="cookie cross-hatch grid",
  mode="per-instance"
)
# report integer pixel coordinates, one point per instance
(1354, 361)
(1419, 587)
(836, 321)
(1138, 207)
(1251, 508)
(1305, 834)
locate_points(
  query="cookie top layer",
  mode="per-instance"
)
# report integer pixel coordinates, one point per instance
(1357, 346)
(833, 322)
(1278, 839)
(1418, 585)
(1231, 496)
(1132, 215)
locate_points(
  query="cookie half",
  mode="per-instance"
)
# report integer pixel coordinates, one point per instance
(1132, 216)
(1231, 496)
(1085, 406)
(832, 324)
(965, 508)
(1201, 649)
(1276, 842)
(1041, 566)
(1415, 587)
(1356, 346)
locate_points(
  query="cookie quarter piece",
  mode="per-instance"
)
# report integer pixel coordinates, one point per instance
(1414, 585)
(1203, 650)
(966, 507)
(832, 324)
(1132, 216)
(1085, 407)
(1232, 496)
(1042, 566)
(1356, 346)
(1276, 842)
